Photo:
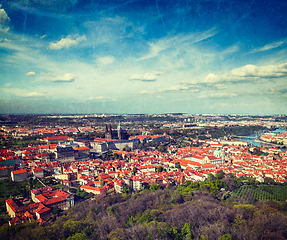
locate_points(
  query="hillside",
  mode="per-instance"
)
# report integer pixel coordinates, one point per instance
(189, 211)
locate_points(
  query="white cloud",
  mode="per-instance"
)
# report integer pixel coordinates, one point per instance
(173, 42)
(181, 100)
(67, 42)
(68, 77)
(145, 92)
(269, 46)
(155, 49)
(158, 73)
(218, 95)
(30, 74)
(104, 61)
(147, 76)
(266, 103)
(220, 86)
(178, 88)
(41, 37)
(100, 98)
(4, 40)
(174, 88)
(33, 95)
(3, 20)
(249, 72)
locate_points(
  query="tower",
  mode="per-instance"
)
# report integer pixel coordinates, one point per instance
(119, 129)
(108, 132)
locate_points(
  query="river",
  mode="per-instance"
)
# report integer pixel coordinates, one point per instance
(252, 139)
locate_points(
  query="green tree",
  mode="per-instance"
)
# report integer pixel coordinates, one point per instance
(135, 170)
(186, 232)
(211, 177)
(220, 174)
(154, 187)
(126, 189)
(225, 237)
(78, 236)
(56, 211)
(161, 148)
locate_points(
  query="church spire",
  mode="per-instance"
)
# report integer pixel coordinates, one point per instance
(119, 131)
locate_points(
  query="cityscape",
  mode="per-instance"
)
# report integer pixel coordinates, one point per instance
(53, 163)
(133, 119)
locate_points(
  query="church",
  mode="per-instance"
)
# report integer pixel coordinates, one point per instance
(114, 140)
(119, 134)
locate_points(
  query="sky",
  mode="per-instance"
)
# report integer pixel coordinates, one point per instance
(134, 56)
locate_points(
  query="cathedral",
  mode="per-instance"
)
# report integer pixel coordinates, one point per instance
(119, 134)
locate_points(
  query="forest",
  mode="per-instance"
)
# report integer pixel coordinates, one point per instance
(213, 209)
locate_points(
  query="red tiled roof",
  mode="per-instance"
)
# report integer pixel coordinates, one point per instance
(19, 171)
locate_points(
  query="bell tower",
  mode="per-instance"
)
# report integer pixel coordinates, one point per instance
(119, 129)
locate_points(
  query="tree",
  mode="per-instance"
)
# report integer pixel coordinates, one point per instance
(220, 174)
(135, 170)
(161, 148)
(186, 232)
(56, 211)
(159, 169)
(78, 236)
(225, 237)
(31, 183)
(211, 177)
(154, 187)
(126, 189)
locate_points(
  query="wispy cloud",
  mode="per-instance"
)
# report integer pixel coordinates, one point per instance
(33, 95)
(100, 98)
(266, 103)
(179, 88)
(30, 74)
(173, 42)
(248, 73)
(104, 61)
(269, 46)
(67, 42)
(181, 100)
(67, 77)
(149, 76)
(156, 48)
(218, 95)
(4, 40)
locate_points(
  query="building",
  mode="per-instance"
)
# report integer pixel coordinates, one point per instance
(38, 172)
(15, 207)
(102, 145)
(19, 175)
(65, 153)
(6, 171)
(45, 199)
(119, 134)
(52, 198)
(92, 189)
(119, 185)
(57, 139)
(82, 153)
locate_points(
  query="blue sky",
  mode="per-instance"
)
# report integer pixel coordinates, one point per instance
(221, 57)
